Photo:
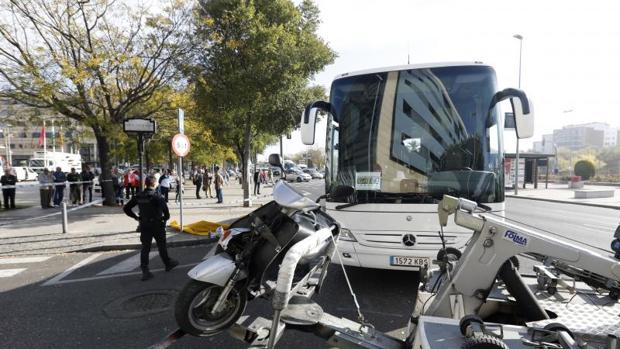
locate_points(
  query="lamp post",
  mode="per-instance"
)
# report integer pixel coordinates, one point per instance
(520, 38)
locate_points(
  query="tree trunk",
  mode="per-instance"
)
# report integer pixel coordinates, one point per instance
(105, 178)
(245, 158)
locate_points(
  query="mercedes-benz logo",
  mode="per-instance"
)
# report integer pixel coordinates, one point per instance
(409, 240)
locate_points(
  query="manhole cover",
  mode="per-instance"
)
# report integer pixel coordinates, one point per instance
(142, 304)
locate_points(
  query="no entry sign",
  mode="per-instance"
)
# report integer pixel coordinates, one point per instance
(180, 145)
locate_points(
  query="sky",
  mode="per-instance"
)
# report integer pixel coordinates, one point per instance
(570, 62)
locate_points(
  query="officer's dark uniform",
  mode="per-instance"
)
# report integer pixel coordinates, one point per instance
(8, 193)
(153, 216)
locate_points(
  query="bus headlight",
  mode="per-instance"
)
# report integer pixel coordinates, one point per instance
(346, 235)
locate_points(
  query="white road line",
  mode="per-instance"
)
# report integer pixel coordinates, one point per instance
(126, 265)
(115, 275)
(23, 260)
(10, 272)
(57, 279)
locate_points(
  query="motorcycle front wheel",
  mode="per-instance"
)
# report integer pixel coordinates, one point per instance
(194, 305)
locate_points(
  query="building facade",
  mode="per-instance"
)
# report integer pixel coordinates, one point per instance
(20, 134)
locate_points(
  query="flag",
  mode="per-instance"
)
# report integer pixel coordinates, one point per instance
(42, 136)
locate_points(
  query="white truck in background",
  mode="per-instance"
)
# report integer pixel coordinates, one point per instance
(50, 160)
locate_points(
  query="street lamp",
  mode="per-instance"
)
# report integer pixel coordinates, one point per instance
(520, 38)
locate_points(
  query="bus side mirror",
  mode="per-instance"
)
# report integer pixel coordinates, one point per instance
(524, 122)
(308, 124)
(522, 109)
(309, 118)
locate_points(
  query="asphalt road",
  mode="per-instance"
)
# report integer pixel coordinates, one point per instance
(96, 300)
(83, 300)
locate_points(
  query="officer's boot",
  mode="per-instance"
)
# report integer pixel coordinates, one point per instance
(171, 264)
(146, 273)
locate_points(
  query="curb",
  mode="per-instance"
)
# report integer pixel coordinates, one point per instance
(183, 243)
(171, 244)
(566, 202)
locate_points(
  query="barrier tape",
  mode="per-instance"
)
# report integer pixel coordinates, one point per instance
(54, 184)
(186, 204)
(94, 202)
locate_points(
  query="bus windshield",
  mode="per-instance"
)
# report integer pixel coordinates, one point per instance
(411, 136)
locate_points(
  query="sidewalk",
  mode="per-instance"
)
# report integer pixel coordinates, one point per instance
(108, 228)
(561, 193)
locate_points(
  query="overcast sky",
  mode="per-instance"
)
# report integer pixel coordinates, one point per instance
(571, 49)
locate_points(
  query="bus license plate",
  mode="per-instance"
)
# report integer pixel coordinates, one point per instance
(409, 261)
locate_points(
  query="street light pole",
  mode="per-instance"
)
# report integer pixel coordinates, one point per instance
(520, 38)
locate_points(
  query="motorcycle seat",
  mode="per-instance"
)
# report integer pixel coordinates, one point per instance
(285, 195)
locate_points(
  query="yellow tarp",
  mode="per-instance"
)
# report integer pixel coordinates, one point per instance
(199, 228)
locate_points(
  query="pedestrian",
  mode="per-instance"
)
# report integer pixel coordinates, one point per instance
(218, 180)
(157, 175)
(117, 184)
(46, 188)
(75, 194)
(207, 184)
(198, 178)
(180, 191)
(60, 178)
(164, 184)
(154, 213)
(8, 194)
(257, 181)
(87, 178)
(134, 182)
(126, 183)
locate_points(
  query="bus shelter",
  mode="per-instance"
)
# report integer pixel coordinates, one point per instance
(533, 161)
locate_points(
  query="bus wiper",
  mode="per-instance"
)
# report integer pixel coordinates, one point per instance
(422, 196)
(350, 204)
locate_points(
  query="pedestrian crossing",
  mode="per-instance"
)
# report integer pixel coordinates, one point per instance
(125, 265)
(19, 261)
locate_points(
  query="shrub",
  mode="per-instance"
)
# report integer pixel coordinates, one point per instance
(585, 169)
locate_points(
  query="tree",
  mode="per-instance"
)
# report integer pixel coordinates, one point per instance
(315, 155)
(585, 169)
(97, 62)
(257, 59)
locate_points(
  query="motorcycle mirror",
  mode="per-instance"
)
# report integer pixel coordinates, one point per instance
(342, 191)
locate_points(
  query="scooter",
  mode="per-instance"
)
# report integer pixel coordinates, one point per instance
(246, 259)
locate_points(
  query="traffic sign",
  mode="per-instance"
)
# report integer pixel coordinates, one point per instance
(180, 145)
(139, 126)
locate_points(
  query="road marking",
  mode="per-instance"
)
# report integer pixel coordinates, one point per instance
(10, 272)
(57, 279)
(23, 260)
(306, 193)
(58, 282)
(126, 265)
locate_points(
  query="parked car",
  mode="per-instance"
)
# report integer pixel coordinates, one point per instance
(295, 175)
(24, 173)
(314, 173)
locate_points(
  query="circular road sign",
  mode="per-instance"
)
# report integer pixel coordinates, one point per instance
(180, 144)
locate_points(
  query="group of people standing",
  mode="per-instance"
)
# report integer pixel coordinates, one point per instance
(203, 179)
(52, 186)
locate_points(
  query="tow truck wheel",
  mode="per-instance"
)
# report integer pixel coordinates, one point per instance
(467, 320)
(556, 326)
(484, 342)
(453, 254)
(195, 302)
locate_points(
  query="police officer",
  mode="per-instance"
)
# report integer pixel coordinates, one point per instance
(153, 216)
(8, 179)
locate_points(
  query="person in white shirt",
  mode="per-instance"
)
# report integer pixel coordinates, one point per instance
(164, 184)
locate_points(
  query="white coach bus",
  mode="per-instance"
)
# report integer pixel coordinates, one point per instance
(403, 137)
